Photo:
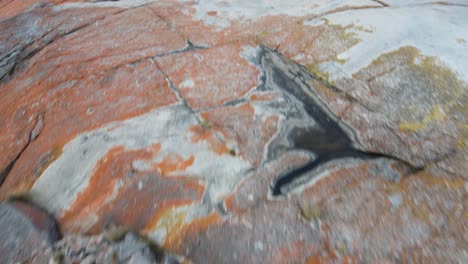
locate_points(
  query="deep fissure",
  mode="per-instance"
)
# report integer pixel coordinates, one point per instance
(327, 140)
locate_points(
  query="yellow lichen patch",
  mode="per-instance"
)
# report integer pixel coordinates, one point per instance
(345, 34)
(345, 37)
(463, 141)
(172, 221)
(316, 72)
(408, 126)
(440, 80)
(309, 212)
(444, 90)
(428, 183)
(116, 233)
(259, 37)
(342, 38)
(175, 224)
(340, 61)
(393, 187)
(431, 180)
(196, 226)
(436, 115)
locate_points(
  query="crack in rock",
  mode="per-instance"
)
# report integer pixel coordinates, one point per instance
(33, 134)
(324, 135)
(32, 38)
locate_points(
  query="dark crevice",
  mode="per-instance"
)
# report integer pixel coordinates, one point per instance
(188, 48)
(381, 2)
(20, 59)
(32, 135)
(328, 139)
(323, 160)
(231, 103)
(179, 96)
(445, 3)
(4, 174)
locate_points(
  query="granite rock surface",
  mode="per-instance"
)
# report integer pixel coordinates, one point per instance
(236, 131)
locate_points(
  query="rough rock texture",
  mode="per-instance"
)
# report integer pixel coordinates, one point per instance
(25, 229)
(114, 246)
(240, 131)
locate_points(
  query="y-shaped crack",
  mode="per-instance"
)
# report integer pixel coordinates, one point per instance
(327, 138)
(177, 93)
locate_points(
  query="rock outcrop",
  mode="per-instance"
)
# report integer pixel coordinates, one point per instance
(236, 132)
(25, 228)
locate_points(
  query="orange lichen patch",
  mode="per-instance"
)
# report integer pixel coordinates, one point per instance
(229, 202)
(64, 82)
(172, 163)
(167, 217)
(328, 253)
(43, 162)
(293, 252)
(334, 181)
(102, 183)
(212, 13)
(196, 31)
(238, 124)
(203, 134)
(143, 197)
(173, 240)
(268, 96)
(292, 38)
(128, 92)
(137, 33)
(204, 78)
(118, 195)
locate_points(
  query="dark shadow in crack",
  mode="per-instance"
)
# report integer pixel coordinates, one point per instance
(327, 139)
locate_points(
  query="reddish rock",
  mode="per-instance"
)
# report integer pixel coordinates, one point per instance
(199, 75)
(262, 131)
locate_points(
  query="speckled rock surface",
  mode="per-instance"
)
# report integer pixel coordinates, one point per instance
(243, 131)
(25, 229)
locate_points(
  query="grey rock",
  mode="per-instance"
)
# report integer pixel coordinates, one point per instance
(23, 230)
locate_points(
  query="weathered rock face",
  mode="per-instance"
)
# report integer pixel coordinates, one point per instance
(242, 131)
(25, 229)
